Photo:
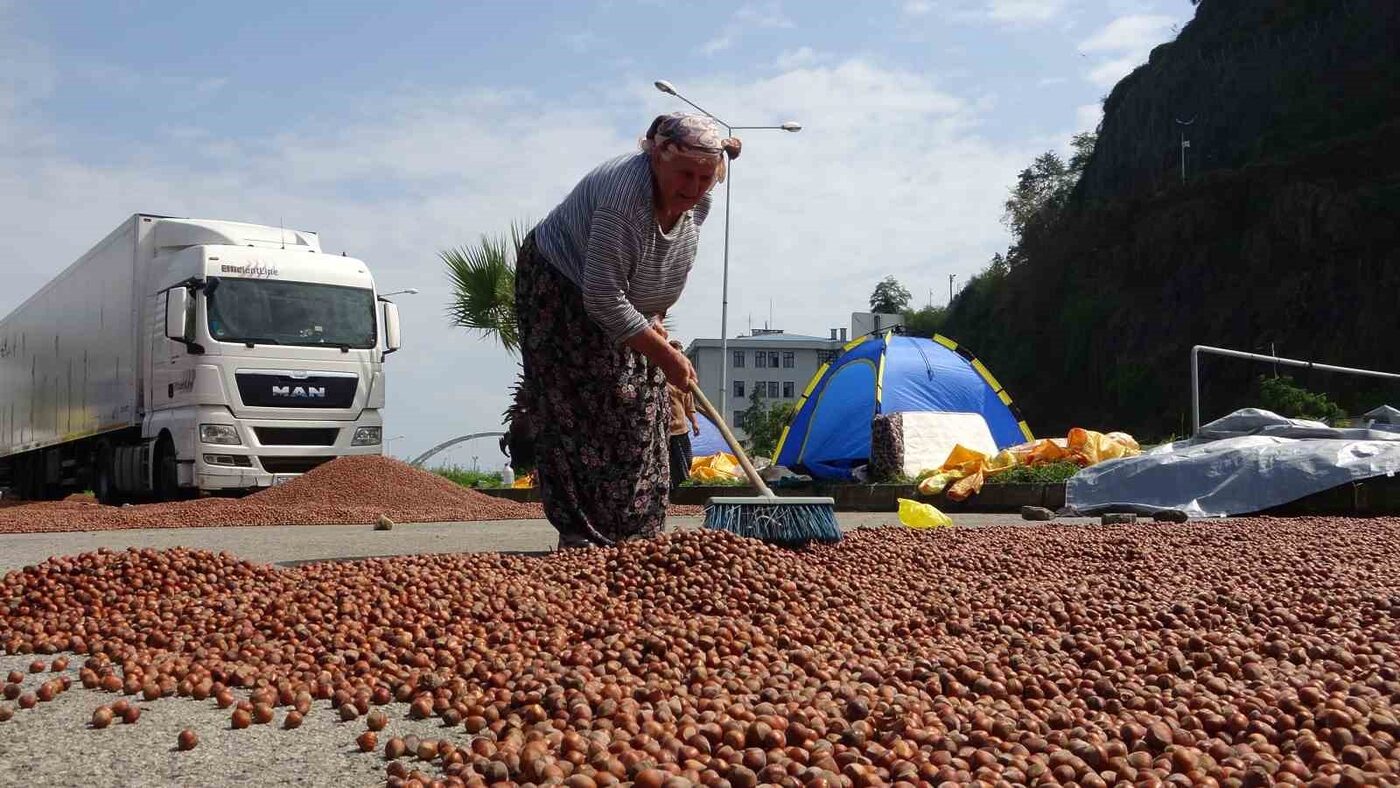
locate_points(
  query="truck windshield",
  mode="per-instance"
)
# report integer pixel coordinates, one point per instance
(272, 312)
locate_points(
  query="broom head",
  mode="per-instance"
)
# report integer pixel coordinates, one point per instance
(788, 522)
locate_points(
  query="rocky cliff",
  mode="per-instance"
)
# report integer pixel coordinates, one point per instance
(1285, 234)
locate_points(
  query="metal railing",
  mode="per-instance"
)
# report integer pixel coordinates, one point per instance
(1290, 362)
(418, 461)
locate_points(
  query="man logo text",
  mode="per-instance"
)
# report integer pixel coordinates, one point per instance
(300, 392)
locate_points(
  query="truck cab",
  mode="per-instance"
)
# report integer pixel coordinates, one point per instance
(265, 358)
(179, 356)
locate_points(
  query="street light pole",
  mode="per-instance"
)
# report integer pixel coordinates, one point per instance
(1185, 143)
(790, 126)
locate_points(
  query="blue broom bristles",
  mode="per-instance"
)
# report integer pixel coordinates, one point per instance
(784, 524)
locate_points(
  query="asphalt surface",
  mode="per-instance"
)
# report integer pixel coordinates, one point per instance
(293, 544)
(53, 744)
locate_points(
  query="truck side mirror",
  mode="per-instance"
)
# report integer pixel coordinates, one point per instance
(391, 327)
(177, 322)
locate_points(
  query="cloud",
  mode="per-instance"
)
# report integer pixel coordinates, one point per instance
(716, 44)
(1001, 13)
(1123, 44)
(582, 41)
(889, 176)
(1087, 116)
(802, 57)
(1025, 12)
(750, 16)
(27, 76)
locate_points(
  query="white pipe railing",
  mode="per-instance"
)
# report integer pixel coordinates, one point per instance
(1290, 362)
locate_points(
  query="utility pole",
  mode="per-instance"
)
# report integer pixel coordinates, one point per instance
(1185, 143)
(951, 277)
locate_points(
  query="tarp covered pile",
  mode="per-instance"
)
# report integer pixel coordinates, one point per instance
(1246, 462)
(965, 470)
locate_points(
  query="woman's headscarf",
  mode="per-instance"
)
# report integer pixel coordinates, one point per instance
(691, 135)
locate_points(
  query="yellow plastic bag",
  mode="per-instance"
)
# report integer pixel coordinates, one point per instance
(933, 485)
(715, 467)
(1095, 447)
(921, 515)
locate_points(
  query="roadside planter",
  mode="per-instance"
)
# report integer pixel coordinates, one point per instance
(862, 497)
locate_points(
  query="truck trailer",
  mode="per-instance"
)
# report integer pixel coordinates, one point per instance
(181, 356)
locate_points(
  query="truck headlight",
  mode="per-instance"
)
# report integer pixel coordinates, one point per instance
(366, 436)
(224, 434)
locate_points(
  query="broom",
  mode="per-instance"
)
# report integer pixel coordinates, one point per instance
(788, 521)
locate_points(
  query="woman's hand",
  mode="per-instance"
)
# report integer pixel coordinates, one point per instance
(650, 343)
(678, 369)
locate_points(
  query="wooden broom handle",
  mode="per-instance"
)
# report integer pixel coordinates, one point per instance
(754, 478)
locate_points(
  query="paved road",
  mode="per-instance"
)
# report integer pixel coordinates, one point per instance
(300, 543)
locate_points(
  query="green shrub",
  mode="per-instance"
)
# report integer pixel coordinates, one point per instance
(1286, 398)
(715, 483)
(469, 478)
(1049, 473)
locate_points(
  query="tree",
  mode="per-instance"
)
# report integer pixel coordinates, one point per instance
(483, 286)
(483, 300)
(1083, 145)
(889, 297)
(925, 322)
(1043, 189)
(763, 423)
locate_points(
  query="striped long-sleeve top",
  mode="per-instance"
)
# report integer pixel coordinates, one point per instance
(604, 237)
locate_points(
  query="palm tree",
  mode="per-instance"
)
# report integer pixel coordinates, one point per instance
(483, 300)
(483, 286)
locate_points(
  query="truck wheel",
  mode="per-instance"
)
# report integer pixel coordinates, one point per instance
(34, 488)
(104, 482)
(167, 476)
(22, 472)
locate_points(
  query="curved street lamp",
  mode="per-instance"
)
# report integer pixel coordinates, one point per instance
(790, 126)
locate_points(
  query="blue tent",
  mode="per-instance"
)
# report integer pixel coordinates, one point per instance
(829, 434)
(709, 441)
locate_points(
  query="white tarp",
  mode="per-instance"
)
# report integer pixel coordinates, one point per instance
(1246, 462)
(929, 437)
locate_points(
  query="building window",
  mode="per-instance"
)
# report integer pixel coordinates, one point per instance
(772, 389)
(760, 359)
(738, 389)
(738, 359)
(826, 356)
(789, 389)
(773, 359)
(789, 359)
(738, 414)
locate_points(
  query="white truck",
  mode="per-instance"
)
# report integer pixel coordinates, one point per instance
(187, 355)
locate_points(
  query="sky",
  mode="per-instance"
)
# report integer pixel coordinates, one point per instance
(397, 130)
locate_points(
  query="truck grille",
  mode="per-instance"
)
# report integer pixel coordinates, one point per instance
(273, 390)
(292, 464)
(296, 436)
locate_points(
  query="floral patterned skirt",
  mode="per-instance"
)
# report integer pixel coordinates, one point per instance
(599, 411)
